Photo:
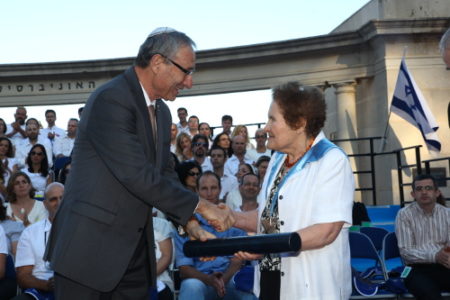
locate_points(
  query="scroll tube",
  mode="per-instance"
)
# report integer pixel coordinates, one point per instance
(258, 244)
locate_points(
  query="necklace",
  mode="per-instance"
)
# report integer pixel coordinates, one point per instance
(288, 164)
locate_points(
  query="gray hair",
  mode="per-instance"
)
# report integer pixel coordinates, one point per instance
(165, 42)
(51, 186)
(445, 41)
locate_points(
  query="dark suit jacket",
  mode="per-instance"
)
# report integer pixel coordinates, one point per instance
(115, 180)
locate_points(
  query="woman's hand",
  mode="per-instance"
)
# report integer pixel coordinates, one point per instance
(248, 256)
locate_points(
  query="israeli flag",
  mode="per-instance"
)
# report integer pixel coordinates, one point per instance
(409, 103)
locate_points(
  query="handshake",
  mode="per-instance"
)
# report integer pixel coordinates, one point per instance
(219, 216)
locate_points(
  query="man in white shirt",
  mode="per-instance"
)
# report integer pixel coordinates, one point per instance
(193, 126)
(261, 149)
(423, 233)
(183, 124)
(16, 130)
(238, 145)
(32, 139)
(33, 274)
(227, 181)
(52, 131)
(63, 146)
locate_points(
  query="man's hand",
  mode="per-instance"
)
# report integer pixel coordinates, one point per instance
(443, 258)
(219, 216)
(196, 232)
(215, 280)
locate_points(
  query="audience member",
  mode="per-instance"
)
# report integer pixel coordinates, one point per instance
(173, 138)
(206, 130)
(234, 198)
(8, 163)
(52, 131)
(243, 131)
(183, 124)
(261, 167)
(164, 256)
(63, 146)
(16, 130)
(37, 169)
(261, 149)
(193, 126)
(3, 127)
(21, 206)
(184, 150)
(12, 229)
(80, 112)
(200, 147)
(64, 172)
(227, 181)
(188, 171)
(249, 188)
(222, 140)
(208, 186)
(33, 138)
(8, 286)
(444, 47)
(211, 279)
(227, 123)
(423, 233)
(238, 157)
(33, 274)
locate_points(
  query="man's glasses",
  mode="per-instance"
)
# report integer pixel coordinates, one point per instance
(36, 153)
(192, 173)
(200, 145)
(426, 188)
(260, 136)
(185, 71)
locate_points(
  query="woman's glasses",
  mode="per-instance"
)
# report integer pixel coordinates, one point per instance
(37, 153)
(191, 173)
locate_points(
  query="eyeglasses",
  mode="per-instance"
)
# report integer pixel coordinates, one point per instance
(426, 188)
(185, 71)
(200, 144)
(37, 153)
(191, 173)
(260, 136)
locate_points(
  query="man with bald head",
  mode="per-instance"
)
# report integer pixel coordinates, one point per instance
(261, 149)
(238, 144)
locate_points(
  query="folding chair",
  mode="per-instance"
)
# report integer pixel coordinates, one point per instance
(364, 256)
(376, 235)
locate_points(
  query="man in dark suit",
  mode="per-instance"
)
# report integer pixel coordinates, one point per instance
(101, 244)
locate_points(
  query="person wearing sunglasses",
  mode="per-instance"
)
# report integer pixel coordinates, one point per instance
(37, 169)
(101, 241)
(200, 147)
(188, 171)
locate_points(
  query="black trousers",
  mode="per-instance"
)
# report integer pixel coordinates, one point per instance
(270, 284)
(427, 281)
(133, 286)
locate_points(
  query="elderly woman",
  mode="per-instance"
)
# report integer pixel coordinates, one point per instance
(21, 206)
(309, 190)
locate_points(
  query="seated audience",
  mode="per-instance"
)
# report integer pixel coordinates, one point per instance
(16, 130)
(193, 126)
(223, 140)
(7, 158)
(3, 127)
(234, 198)
(163, 231)
(200, 147)
(188, 171)
(209, 279)
(52, 131)
(227, 123)
(32, 139)
(183, 124)
(184, 151)
(261, 149)
(21, 206)
(227, 181)
(173, 138)
(423, 233)
(33, 274)
(242, 131)
(37, 169)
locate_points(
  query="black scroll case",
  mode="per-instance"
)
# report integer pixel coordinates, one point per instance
(258, 244)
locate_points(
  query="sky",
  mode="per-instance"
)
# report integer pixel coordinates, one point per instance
(58, 30)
